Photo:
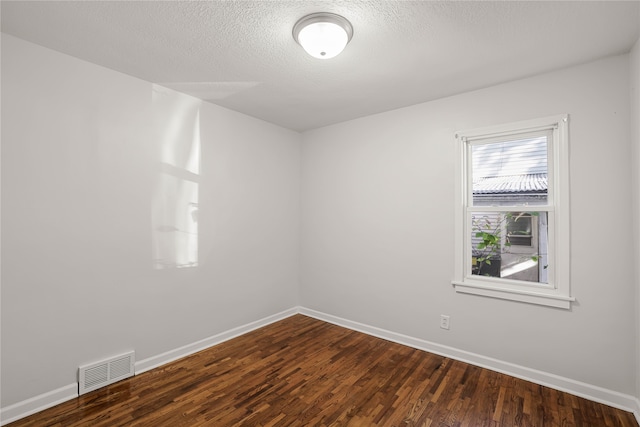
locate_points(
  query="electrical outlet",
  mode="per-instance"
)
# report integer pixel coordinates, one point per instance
(444, 321)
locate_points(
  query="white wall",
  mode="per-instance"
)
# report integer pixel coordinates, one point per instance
(377, 206)
(82, 147)
(635, 159)
(82, 151)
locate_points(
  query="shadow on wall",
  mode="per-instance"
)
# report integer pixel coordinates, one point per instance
(174, 210)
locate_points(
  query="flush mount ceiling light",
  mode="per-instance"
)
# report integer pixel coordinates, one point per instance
(323, 35)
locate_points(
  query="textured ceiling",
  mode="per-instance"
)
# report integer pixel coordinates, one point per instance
(241, 54)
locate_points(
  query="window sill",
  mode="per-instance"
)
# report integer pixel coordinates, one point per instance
(521, 295)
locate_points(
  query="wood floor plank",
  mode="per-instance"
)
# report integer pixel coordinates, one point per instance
(305, 372)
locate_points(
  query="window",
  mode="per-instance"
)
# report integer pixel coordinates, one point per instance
(512, 216)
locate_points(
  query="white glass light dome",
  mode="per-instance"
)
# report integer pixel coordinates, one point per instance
(323, 35)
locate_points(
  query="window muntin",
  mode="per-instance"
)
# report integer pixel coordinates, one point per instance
(515, 179)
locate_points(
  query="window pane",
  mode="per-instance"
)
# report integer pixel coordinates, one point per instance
(512, 172)
(510, 245)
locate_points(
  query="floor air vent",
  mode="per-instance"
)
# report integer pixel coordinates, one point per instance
(105, 372)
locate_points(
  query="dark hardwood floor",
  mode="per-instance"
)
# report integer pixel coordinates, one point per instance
(305, 372)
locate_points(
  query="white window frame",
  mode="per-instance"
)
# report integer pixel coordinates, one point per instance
(556, 293)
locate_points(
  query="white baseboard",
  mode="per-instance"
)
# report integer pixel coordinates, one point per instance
(597, 394)
(38, 403)
(47, 400)
(178, 353)
(591, 392)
